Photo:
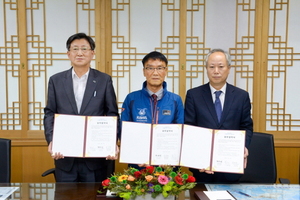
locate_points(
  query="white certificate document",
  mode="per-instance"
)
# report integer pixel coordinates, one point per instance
(135, 143)
(84, 136)
(183, 145)
(219, 195)
(166, 144)
(68, 135)
(228, 151)
(196, 147)
(214, 150)
(101, 136)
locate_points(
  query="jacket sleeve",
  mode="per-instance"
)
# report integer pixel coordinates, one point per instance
(179, 118)
(126, 110)
(246, 120)
(189, 110)
(49, 112)
(111, 107)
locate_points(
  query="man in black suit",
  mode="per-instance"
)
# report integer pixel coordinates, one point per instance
(80, 90)
(234, 109)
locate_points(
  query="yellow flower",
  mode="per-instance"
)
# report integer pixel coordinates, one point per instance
(123, 177)
(159, 173)
(130, 178)
(128, 187)
(148, 178)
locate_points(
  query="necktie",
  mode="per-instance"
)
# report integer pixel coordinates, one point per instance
(154, 96)
(218, 105)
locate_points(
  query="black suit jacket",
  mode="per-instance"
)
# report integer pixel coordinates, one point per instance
(200, 110)
(99, 100)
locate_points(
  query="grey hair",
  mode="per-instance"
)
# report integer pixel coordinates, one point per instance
(227, 56)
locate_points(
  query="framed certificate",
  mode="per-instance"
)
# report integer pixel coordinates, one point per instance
(183, 145)
(84, 136)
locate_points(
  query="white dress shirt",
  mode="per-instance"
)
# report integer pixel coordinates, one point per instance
(222, 95)
(79, 85)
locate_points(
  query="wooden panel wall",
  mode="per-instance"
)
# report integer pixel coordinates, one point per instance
(31, 51)
(29, 160)
(288, 164)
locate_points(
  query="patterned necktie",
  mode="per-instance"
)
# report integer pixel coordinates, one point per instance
(154, 96)
(218, 105)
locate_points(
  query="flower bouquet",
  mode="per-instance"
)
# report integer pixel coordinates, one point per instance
(151, 180)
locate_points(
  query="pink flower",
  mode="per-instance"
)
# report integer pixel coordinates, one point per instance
(163, 180)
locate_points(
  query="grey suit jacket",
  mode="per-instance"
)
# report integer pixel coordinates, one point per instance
(99, 100)
(200, 110)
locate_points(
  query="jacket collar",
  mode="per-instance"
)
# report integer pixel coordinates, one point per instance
(88, 94)
(229, 98)
(145, 90)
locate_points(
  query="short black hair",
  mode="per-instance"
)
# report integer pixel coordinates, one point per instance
(155, 55)
(80, 36)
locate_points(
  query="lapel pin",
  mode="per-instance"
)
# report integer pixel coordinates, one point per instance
(94, 81)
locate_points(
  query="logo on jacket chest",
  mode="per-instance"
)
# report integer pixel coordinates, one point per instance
(142, 111)
(166, 112)
(141, 114)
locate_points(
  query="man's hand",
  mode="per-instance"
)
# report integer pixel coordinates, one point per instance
(246, 154)
(143, 165)
(55, 155)
(50, 148)
(206, 171)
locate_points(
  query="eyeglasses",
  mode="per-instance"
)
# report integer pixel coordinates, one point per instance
(152, 69)
(83, 49)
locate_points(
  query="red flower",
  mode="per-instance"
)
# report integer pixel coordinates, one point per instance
(105, 182)
(137, 174)
(150, 169)
(179, 180)
(190, 179)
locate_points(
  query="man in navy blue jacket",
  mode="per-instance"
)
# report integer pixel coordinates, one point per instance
(235, 104)
(153, 103)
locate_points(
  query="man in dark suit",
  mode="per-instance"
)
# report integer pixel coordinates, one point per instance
(234, 109)
(80, 90)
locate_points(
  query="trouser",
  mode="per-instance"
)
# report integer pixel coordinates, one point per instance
(80, 173)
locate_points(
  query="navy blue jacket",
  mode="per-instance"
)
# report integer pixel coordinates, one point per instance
(236, 115)
(138, 107)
